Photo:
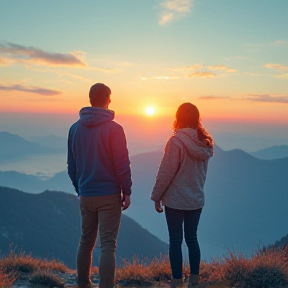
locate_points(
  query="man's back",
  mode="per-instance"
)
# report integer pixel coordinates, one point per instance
(98, 162)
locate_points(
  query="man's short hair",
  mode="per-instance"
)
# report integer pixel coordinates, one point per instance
(99, 94)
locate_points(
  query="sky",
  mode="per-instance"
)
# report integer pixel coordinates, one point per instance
(228, 57)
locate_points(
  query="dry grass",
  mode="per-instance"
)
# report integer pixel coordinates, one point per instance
(266, 269)
(7, 279)
(26, 263)
(211, 273)
(14, 264)
(160, 269)
(46, 278)
(135, 273)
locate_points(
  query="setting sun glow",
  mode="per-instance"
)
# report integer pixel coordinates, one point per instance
(150, 111)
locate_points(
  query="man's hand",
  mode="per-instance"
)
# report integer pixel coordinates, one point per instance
(158, 207)
(125, 202)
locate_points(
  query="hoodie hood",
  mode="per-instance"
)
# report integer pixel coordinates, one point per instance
(188, 138)
(94, 116)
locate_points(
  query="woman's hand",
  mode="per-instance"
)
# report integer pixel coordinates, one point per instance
(158, 206)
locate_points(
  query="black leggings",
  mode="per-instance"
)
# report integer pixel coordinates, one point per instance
(175, 219)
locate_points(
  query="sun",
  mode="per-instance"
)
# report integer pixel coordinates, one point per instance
(150, 111)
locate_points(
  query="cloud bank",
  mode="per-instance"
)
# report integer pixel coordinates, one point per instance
(277, 67)
(194, 71)
(202, 75)
(35, 90)
(268, 98)
(221, 67)
(13, 53)
(174, 9)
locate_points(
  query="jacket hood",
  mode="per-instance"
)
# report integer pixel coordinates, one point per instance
(188, 138)
(93, 116)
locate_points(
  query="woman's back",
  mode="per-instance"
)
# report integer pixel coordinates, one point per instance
(182, 172)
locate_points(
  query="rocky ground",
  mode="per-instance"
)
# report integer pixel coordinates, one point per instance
(69, 281)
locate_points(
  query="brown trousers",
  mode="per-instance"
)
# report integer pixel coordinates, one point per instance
(104, 211)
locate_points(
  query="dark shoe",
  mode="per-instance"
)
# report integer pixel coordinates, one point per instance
(193, 280)
(177, 283)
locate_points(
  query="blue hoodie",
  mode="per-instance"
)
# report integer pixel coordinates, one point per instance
(98, 161)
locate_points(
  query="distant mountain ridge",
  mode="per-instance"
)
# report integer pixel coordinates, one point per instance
(48, 226)
(51, 141)
(33, 184)
(13, 146)
(243, 195)
(270, 153)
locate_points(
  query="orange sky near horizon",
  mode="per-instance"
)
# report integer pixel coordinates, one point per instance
(226, 109)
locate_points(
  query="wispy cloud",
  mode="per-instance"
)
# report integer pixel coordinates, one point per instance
(160, 78)
(202, 70)
(174, 9)
(282, 76)
(35, 90)
(221, 67)
(202, 75)
(267, 98)
(14, 53)
(194, 71)
(212, 97)
(278, 67)
(187, 68)
(280, 42)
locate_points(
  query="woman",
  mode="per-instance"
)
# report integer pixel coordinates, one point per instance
(179, 187)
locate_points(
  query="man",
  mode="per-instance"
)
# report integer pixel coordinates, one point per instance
(99, 168)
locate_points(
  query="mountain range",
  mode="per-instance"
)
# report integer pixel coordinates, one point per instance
(270, 153)
(246, 199)
(47, 225)
(14, 147)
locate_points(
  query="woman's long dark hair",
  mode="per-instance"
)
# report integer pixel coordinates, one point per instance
(187, 116)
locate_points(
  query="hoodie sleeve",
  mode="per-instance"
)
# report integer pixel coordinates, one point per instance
(72, 170)
(121, 159)
(167, 170)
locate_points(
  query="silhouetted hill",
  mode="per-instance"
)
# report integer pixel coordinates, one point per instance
(48, 225)
(14, 147)
(270, 153)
